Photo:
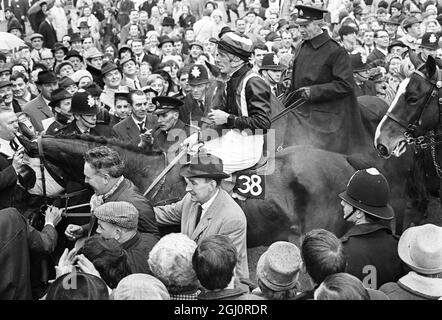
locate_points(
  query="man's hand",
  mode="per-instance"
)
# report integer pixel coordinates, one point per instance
(73, 232)
(304, 93)
(218, 116)
(190, 141)
(17, 160)
(87, 266)
(53, 215)
(146, 138)
(66, 262)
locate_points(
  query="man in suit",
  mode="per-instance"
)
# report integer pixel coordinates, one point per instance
(10, 161)
(378, 55)
(19, 8)
(38, 108)
(46, 29)
(133, 128)
(207, 209)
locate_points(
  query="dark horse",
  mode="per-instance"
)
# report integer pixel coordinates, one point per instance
(414, 117)
(300, 190)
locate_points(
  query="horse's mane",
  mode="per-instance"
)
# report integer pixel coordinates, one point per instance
(112, 142)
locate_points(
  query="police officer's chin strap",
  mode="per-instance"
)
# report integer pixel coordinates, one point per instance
(89, 123)
(268, 75)
(350, 214)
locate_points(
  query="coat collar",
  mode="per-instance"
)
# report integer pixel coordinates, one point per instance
(319, 40)
(430, 288)
(131, 242)
(222, 294)
(365, 228)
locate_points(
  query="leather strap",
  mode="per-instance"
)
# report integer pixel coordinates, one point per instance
(42, 169)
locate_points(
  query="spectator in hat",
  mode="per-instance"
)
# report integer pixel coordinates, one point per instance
(18, 9)
(122, 107)
(38, 109)
(363, 85)
(20, 88)
(88, 287)
(391, 25)
(112, 78)
(59, 51)
(378, 55)
(167, 27)
(119, 220)
(196, 49)
(76, 59)
(420, 249)
(322, 255)
(68, 84)
(12, 21)
(8, 97)
(47, 30)
(140, 286)
(271, 71)
(94, 62)
(134, 18)
(370, 241)
(166, 46)
(130, 73)
(205, 28)
(278, 271)
(344, 286)
(214, 261)
(61, 107)
(37, 45)
(207, 209)
(82, 78)
(76, 42)
(397, 47)
(412, 28)
(431, 25)
(170, 261)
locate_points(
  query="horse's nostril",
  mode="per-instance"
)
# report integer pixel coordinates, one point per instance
(383, 151)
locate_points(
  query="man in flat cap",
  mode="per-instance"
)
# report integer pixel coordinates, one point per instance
(247, 107)
(207, 209)
(323, 78)
(37, 45)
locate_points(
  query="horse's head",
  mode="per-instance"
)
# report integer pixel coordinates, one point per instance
(414, 111)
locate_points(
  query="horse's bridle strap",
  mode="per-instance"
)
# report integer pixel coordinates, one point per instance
(42, 169)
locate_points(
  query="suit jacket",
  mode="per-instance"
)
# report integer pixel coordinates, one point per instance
(8, 182)
(49, 34)
(37, 110)
(376, 55)
(163, 140)
(224, 216)
(127, 130)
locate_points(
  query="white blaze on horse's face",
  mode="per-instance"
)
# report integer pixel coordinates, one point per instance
(390, 134)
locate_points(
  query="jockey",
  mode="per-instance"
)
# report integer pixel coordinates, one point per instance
(245, 116)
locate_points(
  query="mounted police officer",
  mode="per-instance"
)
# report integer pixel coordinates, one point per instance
(322, 76)
(246, 107)
(85, 109)
(369, 245)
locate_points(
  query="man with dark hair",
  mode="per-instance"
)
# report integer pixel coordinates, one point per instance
(348, 37)
(378, 55)
(46, 29)
(369, 245)
(322, 255)
(207, 209)
(214, 261)
(103, 171)
(20, 88)
(259, 50)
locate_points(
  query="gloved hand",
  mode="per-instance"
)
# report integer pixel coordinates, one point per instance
(304, 93)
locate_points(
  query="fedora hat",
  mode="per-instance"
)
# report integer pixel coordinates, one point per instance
(73, 53)
(368, 190)
(65, 82)
(204, 165)
(46, 76)
(168, 21)
(58, 95)
(108, 67)
(279, 266)
(93, 53)
(59, 46)
(163, 40)
(421, 248)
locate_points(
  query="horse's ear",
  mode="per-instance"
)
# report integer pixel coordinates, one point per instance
(414, 58)
(430, 67)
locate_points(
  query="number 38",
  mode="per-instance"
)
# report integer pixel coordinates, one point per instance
(252, 185)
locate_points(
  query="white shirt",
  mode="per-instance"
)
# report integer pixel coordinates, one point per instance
(6, 149)
(137, 122)
(208, 203)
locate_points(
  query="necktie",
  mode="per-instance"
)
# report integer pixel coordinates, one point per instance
(141, 126)
(201, 106)
(198, 215)
(274, 90)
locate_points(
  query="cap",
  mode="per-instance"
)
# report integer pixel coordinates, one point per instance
(59, 46)
(5, 83)
(196, 43)
(119, 213)
(198, 74)
(73, 53)
(61, 65)
(36, 35)
(58, 95)
(93, 53)
(108, 67)
(165, 104)
(408, 22)
(270, 61)
(204, 165)
(65, 82)
(306, 14)
(236, 44)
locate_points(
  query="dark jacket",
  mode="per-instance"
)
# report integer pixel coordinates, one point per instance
(128, 192)
(8, 181)
(96, 75)
(138, 249)
(128, 131)
(72, 128)
(257, 93)
(332, 113)
(368, 88)
(49, 34)
(17, 239)
(237, 293)
(413, 286)
(372, 244)
(377, 57)
(163, 140)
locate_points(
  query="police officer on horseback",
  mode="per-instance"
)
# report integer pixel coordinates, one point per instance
(246, 107)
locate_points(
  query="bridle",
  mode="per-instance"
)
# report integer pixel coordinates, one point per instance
(430, 139)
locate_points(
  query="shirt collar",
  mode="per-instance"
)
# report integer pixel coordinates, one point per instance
(208, 203)
(46, 100)
(137, 121)
(385, 52)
